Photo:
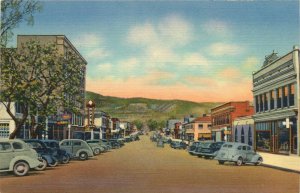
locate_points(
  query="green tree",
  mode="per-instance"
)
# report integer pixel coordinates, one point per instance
(14, 12)
(139, 124)
(40, 80)
(152, 124)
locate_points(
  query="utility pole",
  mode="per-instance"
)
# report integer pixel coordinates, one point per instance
(296, 62)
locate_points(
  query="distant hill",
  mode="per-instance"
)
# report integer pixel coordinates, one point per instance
(129, 109)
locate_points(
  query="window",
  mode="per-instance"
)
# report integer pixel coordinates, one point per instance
(4, 130)
(244, 148)
(285, 96)
(239, 148)
(66, 143)
(5, 146)
(256, 104)
(266, 102)
(17, 145)
(200, 126)
(291, 95)
(209, 126)
(279, 97)
(261, 105)
(248, 148)
(272, 98)
(77, 143)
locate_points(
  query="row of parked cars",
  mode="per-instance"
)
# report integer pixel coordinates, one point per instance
(19, 156)
(238, 153)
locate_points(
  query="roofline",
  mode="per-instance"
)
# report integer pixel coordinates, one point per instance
(264, 67)
(68, 41)
(231, 102)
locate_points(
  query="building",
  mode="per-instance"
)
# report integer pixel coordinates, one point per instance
(276, 99)
(170, 126)
(243, 130)
(177, 131)
(222, 118)
(198, 129)
(62, 124)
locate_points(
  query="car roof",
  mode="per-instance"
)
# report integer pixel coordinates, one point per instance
(235, 144)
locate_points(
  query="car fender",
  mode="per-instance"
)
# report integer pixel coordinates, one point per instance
(90, 153)
(235, 157)
(255, 158)
(48, 158)
(32, 162)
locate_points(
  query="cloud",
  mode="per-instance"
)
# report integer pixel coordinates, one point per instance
(142, 34)
(98, 53)
(218, 28)
(222, 49)
(229, 74)
(88, 41)
(251, 63)
(175, 30)
(195, 59)
(105, 67)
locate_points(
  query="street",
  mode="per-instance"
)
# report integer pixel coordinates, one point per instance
(142, 167)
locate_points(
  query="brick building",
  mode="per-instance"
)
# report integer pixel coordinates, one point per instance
(222, 118)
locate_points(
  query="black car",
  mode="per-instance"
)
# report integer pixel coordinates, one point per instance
(61, 155)
(210, 149)
(47, 154)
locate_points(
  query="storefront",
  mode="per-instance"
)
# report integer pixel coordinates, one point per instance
(276, 136)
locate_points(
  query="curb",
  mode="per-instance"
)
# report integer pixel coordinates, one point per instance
(280, 168)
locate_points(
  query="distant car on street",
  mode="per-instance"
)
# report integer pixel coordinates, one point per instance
(238, 153)
(77, 147)
(103, 147)
(178, 145)
(17, 156)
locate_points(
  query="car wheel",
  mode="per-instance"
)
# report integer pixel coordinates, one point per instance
(65, 159)
(221, 162)
(97, 151)
(53, 164)
(83, 156)
(259, 161)
(43, 165)
(239, 161)
(21, 168)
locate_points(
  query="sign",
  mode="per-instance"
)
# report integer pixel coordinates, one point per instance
(287, 123)
(62, 122)
(66, 116)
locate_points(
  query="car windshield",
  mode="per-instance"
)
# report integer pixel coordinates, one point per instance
(206, 145)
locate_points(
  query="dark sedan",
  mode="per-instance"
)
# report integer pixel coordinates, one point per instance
(210, 149)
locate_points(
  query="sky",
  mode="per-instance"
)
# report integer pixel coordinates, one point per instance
(203, 51)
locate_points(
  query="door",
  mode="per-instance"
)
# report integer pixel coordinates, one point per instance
(6, 154)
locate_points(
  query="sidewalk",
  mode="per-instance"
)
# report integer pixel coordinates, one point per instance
(283, 162)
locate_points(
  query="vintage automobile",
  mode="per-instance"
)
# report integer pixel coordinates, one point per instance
(210, 149)
(61, 155)
(47, 154)
(193, 147)
(197, 148)
(178, 145)
(103, 147)
(113, 143)
(238, 153)
(17, 156)
(77, 148)
(97, 149)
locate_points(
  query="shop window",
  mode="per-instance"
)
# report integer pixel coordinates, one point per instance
(272, 99)
(279, 97)
(291, 95)
(285, 96)
(263, 140)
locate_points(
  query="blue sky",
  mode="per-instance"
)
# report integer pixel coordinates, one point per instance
(191, 50)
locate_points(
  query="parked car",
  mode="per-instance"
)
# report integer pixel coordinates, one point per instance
(193, 147)
(113, 143)
(160, 143)
(128, 139)
(47, 154)
(103, 147)
(97, 149)
(210, 149)
(178, 145)
(238, 153)
(61, 155)
(17, 156)
(77, 148)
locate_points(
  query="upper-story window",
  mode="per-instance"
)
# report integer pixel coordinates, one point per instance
(291, 95)
(279, 97)
(256, 103)
(266, 102)
(285, 96)
(261, 104)
(200, 126)
(272, 99)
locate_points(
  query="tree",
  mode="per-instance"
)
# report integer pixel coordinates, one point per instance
(139, 124)
(13, 12)
(152, 124)
(41, 80)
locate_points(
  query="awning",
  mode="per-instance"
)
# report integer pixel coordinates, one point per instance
(204, 135)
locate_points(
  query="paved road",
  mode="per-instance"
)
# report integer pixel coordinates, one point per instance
(141, 167)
